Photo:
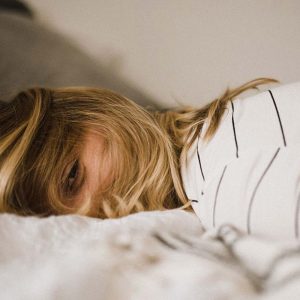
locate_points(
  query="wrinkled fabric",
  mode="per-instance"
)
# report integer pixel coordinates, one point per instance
(148, 255)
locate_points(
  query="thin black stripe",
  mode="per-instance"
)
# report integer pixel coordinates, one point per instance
(199, 160)
(234, 132)
(256, 188)
(278, 116)
(216, 196)
(297, 218)
(193, 200)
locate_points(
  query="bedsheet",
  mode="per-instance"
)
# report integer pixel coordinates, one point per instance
(147, 255)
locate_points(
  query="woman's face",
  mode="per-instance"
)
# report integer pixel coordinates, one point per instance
(92, 172)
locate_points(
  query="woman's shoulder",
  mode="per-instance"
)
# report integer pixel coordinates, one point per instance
(265, 120)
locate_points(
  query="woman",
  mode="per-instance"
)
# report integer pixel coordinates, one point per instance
(93, 152)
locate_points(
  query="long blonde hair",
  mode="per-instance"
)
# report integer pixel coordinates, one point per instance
(41, 131)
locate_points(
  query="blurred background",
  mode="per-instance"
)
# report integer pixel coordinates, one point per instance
(182, 51)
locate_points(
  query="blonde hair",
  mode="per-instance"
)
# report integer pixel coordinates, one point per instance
(41, 135)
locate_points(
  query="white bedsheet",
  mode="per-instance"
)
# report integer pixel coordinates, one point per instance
(150, 255)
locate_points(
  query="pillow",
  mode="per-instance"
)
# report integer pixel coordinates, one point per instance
(248, 174)
(33, 55)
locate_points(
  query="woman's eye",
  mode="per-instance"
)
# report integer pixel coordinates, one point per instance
(73, 174)
(74, 179)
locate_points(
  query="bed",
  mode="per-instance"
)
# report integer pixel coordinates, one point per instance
(147, 255)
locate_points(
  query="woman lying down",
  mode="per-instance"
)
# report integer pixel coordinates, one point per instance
(93, 152)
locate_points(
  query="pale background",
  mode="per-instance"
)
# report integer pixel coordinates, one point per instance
(183, 50)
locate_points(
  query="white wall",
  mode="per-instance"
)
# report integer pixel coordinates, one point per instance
(186, 50)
